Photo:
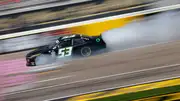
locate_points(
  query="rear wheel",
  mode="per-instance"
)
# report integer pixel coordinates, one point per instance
(86, 51)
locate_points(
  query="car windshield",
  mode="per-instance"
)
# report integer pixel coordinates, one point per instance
(55, 44)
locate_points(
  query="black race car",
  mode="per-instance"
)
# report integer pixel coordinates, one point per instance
(68, 46)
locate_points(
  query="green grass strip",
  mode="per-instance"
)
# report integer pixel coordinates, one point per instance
(142, 94)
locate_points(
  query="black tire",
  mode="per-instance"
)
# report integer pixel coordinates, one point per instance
(86, 51)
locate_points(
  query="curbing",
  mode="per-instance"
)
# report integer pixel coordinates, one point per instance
(142, 94)
(122, 90)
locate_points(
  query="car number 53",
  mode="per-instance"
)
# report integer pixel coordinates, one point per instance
(64, 52)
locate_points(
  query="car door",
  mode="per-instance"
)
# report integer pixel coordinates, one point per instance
(65, 49)
(78, 42)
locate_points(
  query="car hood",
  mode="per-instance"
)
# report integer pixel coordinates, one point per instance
(38, 51)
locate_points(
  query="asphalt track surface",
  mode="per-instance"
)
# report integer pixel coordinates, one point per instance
(114, 69)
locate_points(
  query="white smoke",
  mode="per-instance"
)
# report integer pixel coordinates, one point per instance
(44, 59)
(163, 27)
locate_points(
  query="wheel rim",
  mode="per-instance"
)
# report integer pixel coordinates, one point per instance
(86, 51)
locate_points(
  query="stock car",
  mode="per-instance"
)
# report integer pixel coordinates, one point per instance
(68, 46)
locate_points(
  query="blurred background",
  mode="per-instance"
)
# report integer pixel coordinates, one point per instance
(24, 15)
(25, 25)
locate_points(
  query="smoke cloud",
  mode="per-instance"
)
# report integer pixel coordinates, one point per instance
(163, 27)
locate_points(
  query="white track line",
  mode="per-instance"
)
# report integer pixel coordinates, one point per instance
(53, 79)
(97, 78)
(118, 87)
(38, 69)
(33, 83)
(46, 68)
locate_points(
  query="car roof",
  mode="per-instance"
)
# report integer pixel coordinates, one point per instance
(71, 36)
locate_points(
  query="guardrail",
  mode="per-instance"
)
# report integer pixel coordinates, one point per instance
(30, 5)
(29, 41)
(67, 14)
(138, 13)
(8, 44)
(25, 42)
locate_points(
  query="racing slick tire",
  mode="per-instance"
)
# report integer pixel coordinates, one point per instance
(86, 51)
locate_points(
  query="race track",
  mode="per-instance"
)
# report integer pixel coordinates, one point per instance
(114, 69)
(110, 70)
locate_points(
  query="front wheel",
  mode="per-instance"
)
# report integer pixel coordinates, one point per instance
(86, 51)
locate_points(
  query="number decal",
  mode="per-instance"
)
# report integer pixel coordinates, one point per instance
(63, 52)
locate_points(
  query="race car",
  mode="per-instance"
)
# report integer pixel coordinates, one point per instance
(72, 45)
